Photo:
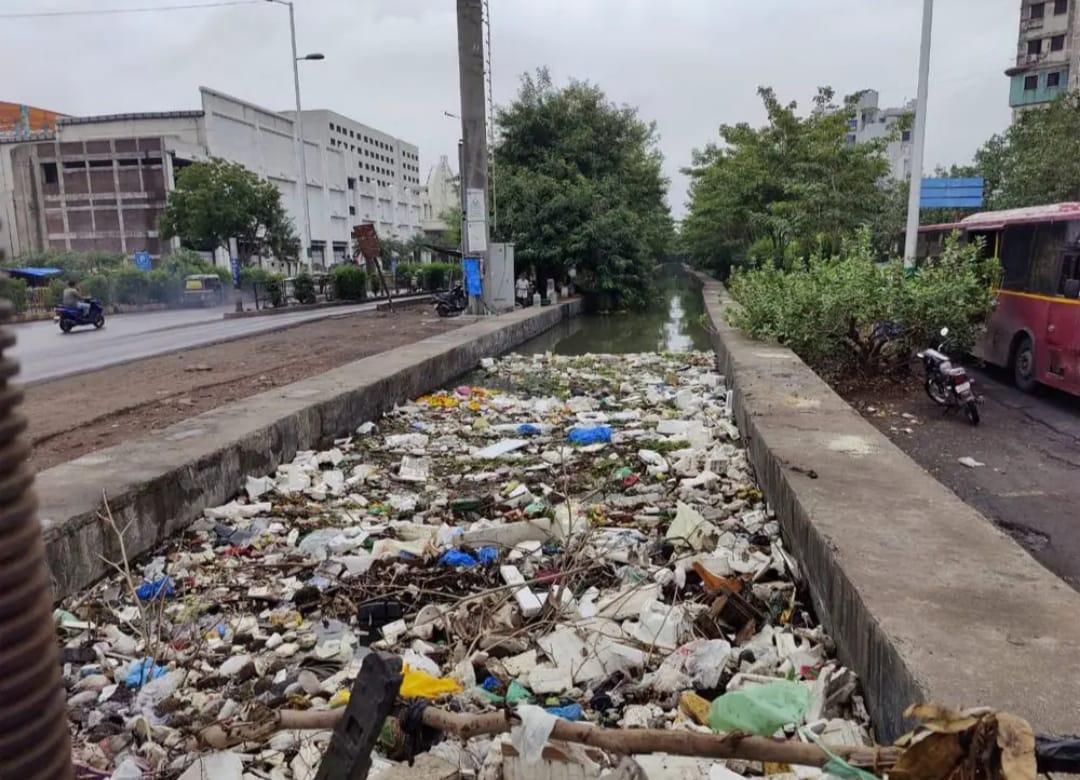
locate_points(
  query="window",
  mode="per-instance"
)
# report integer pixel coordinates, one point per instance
(101, 163)
(905, 136)
(352, 211)
(1031, 83)
(1057, 43)
(48, 172)
(1070, 271)
(331, 125)
(1061, 7)
(1035, 47)
(1053, 79)
(1038, 10)
(352, 134)
(351, 183)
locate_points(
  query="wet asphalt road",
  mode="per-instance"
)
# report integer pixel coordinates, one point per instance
(1030, 485)
(46, 353)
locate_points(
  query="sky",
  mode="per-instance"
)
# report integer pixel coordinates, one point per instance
(688, 65)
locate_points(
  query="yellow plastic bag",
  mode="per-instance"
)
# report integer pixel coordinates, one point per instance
(417, 684)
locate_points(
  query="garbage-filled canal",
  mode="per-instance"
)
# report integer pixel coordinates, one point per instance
(576, 539)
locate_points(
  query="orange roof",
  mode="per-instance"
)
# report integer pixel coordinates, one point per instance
(11, 115)
(995, 220)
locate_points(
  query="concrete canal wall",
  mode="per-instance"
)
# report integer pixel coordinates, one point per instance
(924, 597)
(159, 484)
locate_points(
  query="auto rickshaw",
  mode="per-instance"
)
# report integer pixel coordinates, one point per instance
(203, 290)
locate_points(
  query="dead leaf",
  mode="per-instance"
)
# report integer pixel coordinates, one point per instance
(941, 719)
(1017, 743)
(934, 757)
(715, 583)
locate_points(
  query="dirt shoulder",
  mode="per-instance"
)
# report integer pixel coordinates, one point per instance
(73, 416)
(1029, 445)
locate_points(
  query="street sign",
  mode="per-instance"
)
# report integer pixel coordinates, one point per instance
(234, 261)
(143, 261)
(951, 194)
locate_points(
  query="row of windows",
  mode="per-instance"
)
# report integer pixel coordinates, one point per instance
(1031, 83)
(1057, 43)
(1038, 10)
(360, 136)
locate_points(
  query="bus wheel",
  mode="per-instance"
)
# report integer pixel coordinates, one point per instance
(1024, 365)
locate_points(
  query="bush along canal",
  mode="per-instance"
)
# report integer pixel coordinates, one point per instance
(568, 549)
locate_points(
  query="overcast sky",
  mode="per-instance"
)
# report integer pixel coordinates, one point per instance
(690, 65)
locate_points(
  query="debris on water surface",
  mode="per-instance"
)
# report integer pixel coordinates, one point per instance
(578, 535)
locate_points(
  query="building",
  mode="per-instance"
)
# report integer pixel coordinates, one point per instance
(101, 183)
(1047, 53)
(440, 195)
(871, 123)
(17, 120)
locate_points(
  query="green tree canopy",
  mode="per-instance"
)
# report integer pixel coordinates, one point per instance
(579, 185)
(217, 200)
(1037, 160)
(784, 190)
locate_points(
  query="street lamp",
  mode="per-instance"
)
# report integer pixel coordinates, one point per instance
(298, 131)
(911, 234)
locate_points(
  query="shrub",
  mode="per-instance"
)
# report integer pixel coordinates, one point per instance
(98, 286)
(53, 295)
(350, 282)
(274, 287)
(847, 313)
(408, 275)
(304, 288)
(249, 277)
(14, 290)
(130, 285)
(436, 276)
(164, 287)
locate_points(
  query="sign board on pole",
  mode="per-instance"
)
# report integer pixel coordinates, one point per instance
(475, 205)
(476, 236)
(234, 261)
(951, 194)
(143, 261)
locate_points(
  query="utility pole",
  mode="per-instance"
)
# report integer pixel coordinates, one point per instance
(474, 161)
(299, 130)
(911, 238)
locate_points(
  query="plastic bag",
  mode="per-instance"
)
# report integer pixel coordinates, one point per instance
(141, 672)
(417, 684)
(530, 737)
(760, 710)
(566, 712)
(528, 429)
(592, 435)
(461, 558)
(162, 587)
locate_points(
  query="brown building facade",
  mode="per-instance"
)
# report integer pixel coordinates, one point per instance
(104, 195)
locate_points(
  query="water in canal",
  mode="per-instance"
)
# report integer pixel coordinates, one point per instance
(673, 324)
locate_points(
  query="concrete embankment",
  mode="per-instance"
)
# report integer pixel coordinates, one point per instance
(159, 484)
(924, 597)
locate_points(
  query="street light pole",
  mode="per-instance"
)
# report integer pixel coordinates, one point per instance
(919, 141)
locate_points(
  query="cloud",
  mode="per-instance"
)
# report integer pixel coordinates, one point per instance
(690, 65)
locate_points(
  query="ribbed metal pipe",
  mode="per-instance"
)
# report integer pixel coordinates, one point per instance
(34, 740)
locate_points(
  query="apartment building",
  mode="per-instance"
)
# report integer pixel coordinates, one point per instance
(872, 122)
(1047, 53)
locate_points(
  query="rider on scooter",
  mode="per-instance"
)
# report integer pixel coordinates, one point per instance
(72, 297)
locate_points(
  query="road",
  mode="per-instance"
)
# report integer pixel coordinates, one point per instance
(46, 353)
(1030, 445)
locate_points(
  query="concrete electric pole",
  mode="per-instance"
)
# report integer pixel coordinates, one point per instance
(911, 239)
(474, 158)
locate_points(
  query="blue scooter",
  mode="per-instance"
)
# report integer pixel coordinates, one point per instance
(72, 316)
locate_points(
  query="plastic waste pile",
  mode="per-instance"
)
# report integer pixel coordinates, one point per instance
(573, 538)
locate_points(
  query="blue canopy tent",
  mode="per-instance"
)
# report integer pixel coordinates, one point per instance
(35, 277)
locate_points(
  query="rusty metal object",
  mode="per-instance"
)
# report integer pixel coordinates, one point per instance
(34, 740)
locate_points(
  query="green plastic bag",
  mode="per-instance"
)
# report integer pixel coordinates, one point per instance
(760, 710)
(516, 692)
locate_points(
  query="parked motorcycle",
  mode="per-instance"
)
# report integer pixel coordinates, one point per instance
(452, 303)
(72, 316)
(948, 385)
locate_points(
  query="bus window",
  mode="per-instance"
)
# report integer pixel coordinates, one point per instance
(1045, 253)
(1016, 256)
(1070, 271)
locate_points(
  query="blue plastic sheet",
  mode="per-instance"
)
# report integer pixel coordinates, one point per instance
(470, 268)
(141, 672)
(491, 684)
(461, 558)
(528, 429)
(591, 435)
(566, 712)
(155, 589)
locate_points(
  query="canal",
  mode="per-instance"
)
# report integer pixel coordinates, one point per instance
(673, 324)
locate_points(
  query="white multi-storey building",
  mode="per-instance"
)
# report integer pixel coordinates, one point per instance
(871, 122)
(101, 182)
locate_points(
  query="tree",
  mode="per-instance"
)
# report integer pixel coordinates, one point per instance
(451, 237)
(217, 200)
(1037, 160)
(785, 190)
(579, 185)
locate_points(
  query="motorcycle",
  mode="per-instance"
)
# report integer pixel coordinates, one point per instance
(452, 303)
(948, 385)
(72, 316)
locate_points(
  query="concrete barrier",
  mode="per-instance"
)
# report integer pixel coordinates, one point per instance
(157, 485)
(926, 599)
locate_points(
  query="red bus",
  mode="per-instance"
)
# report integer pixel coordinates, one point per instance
(1035, 328)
